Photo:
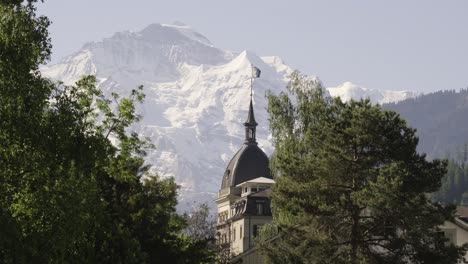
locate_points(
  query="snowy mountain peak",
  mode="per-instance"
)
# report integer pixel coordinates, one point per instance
(246, 59)
(177, 23)
(154, 54)
(197, 97)
(270, 66)
(176, 33)
(348, 91)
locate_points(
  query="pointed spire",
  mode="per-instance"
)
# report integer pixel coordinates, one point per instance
(251, 117)
(250, 124)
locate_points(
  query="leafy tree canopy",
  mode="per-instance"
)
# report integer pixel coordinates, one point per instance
(68, 195)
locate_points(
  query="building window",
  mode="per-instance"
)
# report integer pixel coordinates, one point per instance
(234, 234)
(223, 216)
(251, 133)
(256, 230)
(240, 232)
(253, 189)
(260, 209)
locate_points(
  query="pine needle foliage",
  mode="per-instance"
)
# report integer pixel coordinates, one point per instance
(350, 185)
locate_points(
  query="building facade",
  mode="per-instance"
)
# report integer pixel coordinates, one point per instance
(456, 230)
(244, 197)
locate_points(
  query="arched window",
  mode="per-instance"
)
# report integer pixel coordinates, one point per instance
(251, 133)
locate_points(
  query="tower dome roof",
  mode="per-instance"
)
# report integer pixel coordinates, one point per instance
(249, 163)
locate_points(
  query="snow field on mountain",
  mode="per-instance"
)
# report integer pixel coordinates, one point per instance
(196, 101)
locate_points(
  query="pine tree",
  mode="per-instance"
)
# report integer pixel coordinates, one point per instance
(465, 152)
(465, 175)
(451, 195)
(350, 186)
(458, 188)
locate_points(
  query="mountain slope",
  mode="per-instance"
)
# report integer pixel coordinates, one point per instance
(441, 120)
(196, 97)
(348, 90)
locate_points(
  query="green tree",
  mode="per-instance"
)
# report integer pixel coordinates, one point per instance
(458, 182)
(200, 224)
(465, 152)
(350, 186)
(201, 227)
(451, 195)
(465, 174)
(23, 46)
(454, 183)
(68, 194)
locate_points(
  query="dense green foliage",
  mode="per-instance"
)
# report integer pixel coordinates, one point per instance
(350, 185)
(440, 119)
(454, 189)
(67, 193)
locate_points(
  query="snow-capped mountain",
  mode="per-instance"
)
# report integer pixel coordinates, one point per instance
(348, 90)
(197, 97)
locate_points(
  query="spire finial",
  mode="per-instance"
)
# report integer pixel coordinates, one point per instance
(251, 81)
(255, 74)
(250, 124)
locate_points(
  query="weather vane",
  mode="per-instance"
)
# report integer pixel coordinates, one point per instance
(255, 74)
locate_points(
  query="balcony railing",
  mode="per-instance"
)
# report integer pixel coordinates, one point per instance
(223, 192)
(230, 190)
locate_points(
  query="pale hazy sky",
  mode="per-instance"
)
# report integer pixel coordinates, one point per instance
(419, 45)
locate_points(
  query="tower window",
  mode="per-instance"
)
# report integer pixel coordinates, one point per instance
(240, 232)
(234, 235)
(259, 208)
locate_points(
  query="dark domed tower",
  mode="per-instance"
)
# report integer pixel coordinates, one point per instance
(244, 198)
